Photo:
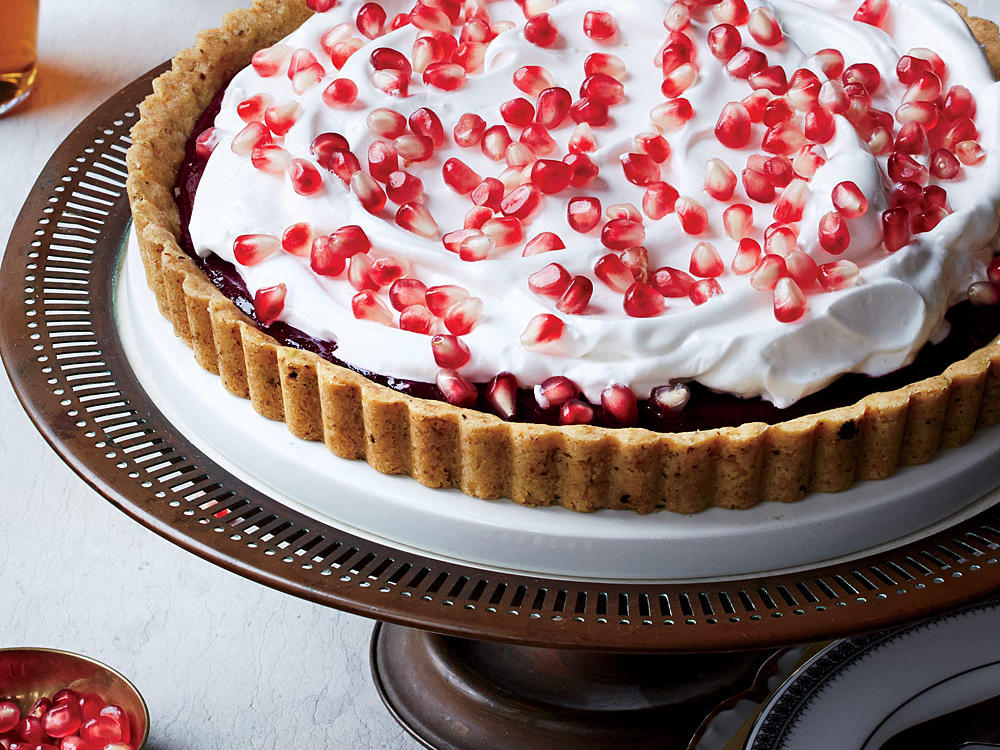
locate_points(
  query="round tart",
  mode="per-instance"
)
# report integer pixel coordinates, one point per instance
(579, 256)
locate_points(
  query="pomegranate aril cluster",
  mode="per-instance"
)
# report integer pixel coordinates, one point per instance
(66, 721)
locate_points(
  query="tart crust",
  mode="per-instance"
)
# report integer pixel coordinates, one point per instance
(583, 468)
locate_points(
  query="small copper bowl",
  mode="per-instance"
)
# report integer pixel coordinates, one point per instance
(27, 674)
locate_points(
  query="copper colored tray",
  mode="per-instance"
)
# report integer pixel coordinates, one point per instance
(60, 346)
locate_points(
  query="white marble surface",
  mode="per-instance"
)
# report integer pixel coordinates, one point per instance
(223, 662)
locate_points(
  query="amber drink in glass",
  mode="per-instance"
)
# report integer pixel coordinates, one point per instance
(18, 50)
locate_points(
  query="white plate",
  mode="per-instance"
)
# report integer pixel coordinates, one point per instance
(548, 541)
(860, 692)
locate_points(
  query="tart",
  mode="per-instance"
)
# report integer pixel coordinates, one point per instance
(638, 328)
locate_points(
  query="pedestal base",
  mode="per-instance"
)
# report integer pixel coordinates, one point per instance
(457, 694)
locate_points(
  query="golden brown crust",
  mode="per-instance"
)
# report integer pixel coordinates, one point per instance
(583, 468)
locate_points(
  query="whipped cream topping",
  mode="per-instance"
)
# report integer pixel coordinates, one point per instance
(732, 342)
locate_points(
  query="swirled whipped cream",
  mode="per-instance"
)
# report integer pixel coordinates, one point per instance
(865, 304)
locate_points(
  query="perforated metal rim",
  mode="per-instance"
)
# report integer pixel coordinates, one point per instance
(60, 346)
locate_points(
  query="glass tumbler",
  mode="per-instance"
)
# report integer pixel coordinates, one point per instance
(18, 50)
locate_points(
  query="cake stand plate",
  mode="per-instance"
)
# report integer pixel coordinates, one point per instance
(61, 346)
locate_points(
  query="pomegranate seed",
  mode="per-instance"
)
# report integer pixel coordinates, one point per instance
(255, 134)
(789, 301)
(659, 200)
(445, 76)
(720, 180)
(469, 130)
(802, 269)
(738, 221)
(386, 58)
(643, 301)
(514, 177)
(653, 145)
(724, 41)
(280, 118)
(619, 234)
(758, 186)
(733, 127)
(830, 61)
(731, 11)
(450, 352)
(819, 125)
(532, 79)
(601, 87)
(414, 217)
(542, 332)
(583, 167)
(692, 215)
(906, 195)
(926, 88)
(338, 33)
(506, 231)
(414, 148)
(470, 56)
(909, 68)
(944, 165)
(970, 153)
(765, 276)
(599, 25)
(545, 242)
(577, 296)
(620, 405)
(959, 103)
(928, 219)
(849, 201)
(678, 81)
(637, 260)
(984, 293)
(402, 187)
(838, 275)
(962, 129)
(334, 157)
(440, 298)
(576, 412)
(677, 49)
(383, 160)
(297, 239)
(671, 282)
(705, 261)
(583, 213)
(678, 17)
(341, 52)
(459, 176)
(589, 111)
(772, 78)
(540, 30)
(764, 28)
(385, 122)
(385, 271)
(613, 273)
(371, 20)
(993, 271)
(784, 139)
(304, 71)
(912, 139)
(551, 176)
(553, 107)
(555, 391)
(551, 280)
(833, 97)
(582, 139)
(623, 211)
(392, 82)
(872, 12)
(251, 249)
(359, 273)
(780, 239)
(452, 241)
(416, 319)
(934, 195)
(476, 216)
(864, 74)
(269, 61)
(747, 257)
(463, 315)
(425, 16)
(406, 293)
(903, 168)
(538, 140)
(523, 203)
(206, 142)
(324, 259)
(425, 122)
(746, 61)
(938, 66)
(792, 202)
(779, 170)
(755, 104)
(456, 390)
(895, 229)
(268, 303)
(271, 158)
(488, 193)
(640, 169)
(672, 115)
(10, 715)
(429, 49)
(803, 89)
(342, 92)
(599, 62)
(926, 113)
(305, 178)
(834, 236)
(670, 400)
(252, 109)
(321, 6)
(495, 141)
(702, 291)
(777, 111)
(501, 393)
